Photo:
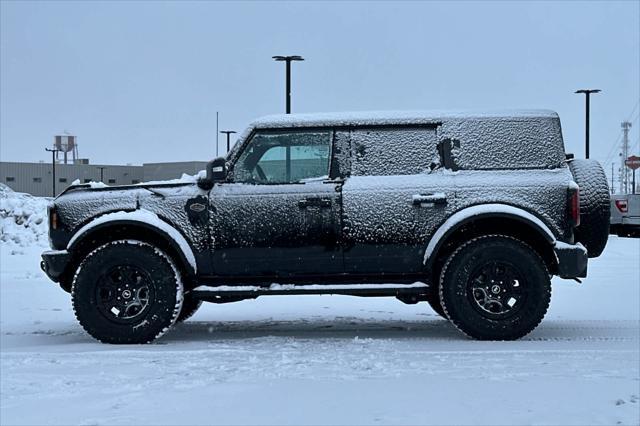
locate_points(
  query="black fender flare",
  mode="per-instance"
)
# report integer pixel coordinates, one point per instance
(144, 219)
(482, 211)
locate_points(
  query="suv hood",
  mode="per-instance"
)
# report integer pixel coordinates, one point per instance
(100, 188)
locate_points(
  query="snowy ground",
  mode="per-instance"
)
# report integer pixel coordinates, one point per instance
(325, 360)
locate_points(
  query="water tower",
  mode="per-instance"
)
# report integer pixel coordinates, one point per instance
(66, 143)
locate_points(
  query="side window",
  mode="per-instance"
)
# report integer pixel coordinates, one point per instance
(284, 157)
(392, 151)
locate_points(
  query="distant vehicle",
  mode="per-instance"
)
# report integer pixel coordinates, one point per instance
(625, 215)
(472, 213)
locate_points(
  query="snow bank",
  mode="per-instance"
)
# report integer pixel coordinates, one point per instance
(23, 220)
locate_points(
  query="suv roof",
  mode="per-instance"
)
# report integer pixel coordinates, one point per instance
(377, 118)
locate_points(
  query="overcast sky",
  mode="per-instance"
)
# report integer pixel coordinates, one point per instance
(142, 81)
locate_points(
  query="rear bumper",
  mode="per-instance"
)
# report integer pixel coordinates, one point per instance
(54, 263)
(572, 260)
(631, 221)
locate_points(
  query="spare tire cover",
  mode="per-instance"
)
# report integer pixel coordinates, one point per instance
(595, 206)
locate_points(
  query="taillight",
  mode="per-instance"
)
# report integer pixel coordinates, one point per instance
(53, 219)
(574, 206)
(622, 206)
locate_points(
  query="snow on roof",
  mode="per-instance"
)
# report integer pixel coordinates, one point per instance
(364, 118)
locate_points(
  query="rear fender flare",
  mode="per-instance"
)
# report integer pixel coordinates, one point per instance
(469, 214)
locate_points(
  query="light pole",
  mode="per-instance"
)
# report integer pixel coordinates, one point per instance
(217, 121)
(53, 168)
(101, 173)
(587, 92)
(288, 60)
(228, 133)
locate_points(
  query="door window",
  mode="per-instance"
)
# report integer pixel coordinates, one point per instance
(287, 157)
(392, 151)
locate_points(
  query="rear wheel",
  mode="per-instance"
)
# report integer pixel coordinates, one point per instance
(127, 292)
(495, 287)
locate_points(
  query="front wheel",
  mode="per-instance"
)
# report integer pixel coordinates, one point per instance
(495, 287)
(189, 308)
(434, 302)
(127, 292)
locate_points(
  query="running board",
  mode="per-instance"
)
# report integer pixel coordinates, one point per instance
(223, 293)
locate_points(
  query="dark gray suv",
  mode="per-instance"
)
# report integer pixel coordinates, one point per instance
(471, 212)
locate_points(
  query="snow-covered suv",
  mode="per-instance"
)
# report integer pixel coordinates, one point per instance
(472, 213)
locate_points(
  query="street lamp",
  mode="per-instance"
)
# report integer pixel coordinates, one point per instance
(587, 92)
(53, 152)
(228, 133)
(287, 60)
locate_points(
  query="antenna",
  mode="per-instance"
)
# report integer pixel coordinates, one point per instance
(624, 170)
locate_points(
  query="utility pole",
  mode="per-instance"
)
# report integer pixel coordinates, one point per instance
(228, 133)
(216, 134)
(101, 173)
(612, 190)
(288, 60)
(624, 171)
(53, 152)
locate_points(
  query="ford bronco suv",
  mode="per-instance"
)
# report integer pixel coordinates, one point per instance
(470, 212)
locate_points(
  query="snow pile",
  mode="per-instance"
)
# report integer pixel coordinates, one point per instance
(23, 219)
(91, 184)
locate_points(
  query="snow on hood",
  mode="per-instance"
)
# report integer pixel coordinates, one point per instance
(184, 179)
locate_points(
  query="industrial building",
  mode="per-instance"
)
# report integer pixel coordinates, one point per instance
(37, 178)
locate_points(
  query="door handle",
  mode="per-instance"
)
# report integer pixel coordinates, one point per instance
(314, 202)
(429, 200)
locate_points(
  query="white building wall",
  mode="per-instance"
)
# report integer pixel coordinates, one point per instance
(36, 178)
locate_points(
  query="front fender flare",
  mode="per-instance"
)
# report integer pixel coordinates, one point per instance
(468, 214)
(143, 218)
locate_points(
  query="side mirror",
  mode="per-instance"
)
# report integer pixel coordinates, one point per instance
(216, 171)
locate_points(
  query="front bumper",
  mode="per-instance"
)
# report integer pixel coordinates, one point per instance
(572, 260)
(54, 263)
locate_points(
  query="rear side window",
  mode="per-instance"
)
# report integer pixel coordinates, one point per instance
(392, 151)
(504, 143)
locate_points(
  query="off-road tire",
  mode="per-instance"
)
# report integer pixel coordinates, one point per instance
(595, 205)
(104, 266)
(189, 307)
(434, 302)
(458, 274)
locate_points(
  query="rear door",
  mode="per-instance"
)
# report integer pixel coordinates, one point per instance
(280, 214)
(393, 201)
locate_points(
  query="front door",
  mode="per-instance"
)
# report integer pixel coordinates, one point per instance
(279, 215)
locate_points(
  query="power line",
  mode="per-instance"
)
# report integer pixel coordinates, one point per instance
(636, 146)
(633, 110)
(615, 144)
(614, 147)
